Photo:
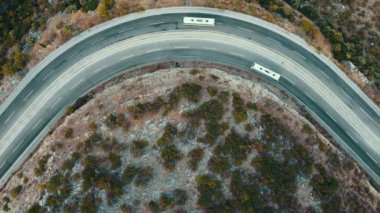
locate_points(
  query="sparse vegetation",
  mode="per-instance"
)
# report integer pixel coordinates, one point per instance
(256, 165)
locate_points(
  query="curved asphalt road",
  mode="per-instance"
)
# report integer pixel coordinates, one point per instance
(30, 111)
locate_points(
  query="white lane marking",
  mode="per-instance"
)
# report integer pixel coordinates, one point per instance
(104, 38)
(349, 135)
(126, 57)
(274, 40)
(2, 165)
(344, 92)
(36, 124)
(181, 47)
(47, 75)
(331, 117)
(18, 145)
(28, 95)
(123, 31)
(238, 54)
(292, 82)
(328, 77)
(153, 50)
(369, 155)
(156, 23)
(76, 84)
(209, 48)
(9, 117)
(245, 29)
(299, 54)
(102, 67)
(309, 97)
(55, 103)
(361, 109)
(72, 56)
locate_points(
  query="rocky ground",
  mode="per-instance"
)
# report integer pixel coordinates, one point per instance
(188, 140)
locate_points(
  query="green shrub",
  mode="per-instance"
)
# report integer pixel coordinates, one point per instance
(239, 112)
(212, 91)
(168, 136)
(252, 105)
(138, 147)
(180, 196)
(153, 206)
(75, 156)
(15, 191)
(214, 77)
(174, 98)
(54, 183)
(210, 111)
(191, 91)
(36, 208)
(67, 165)
(69, 132)
(224, 97)
(307, 129)
(246, 193)
(235, 146)
(324, 185)
(210, 191)
(144, 176)
(170, 155)
(41, 168)
(130, 173)
(196, 155)
(115, 160)
(88, 203)
(194, 71)
(248, 127)
(219, 164)
(141, 108)
(114, 120)
(214, 130)
(53, 201)
(165, 201)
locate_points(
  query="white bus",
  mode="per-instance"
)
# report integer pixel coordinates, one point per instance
(199, 21)
(265, 71)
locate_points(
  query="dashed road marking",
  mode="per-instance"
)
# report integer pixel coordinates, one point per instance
(156, 23)
(55, 103)
(36, 124)
(370, 156)
(331, 117)
(299, 54)
(47, 75)
(323, 73)
(28, 95)
(238, 54)
(181, 47)
(9, 117)
(76, 84)
(245, 29)
(126, 57)
(102, 67)
(153, 50)
(123, 31)
(2, 164)
(18, 145)
(72, 56)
